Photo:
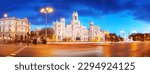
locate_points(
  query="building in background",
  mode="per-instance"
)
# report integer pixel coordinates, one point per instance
(75, 31)
(95, 34)
(14, 28)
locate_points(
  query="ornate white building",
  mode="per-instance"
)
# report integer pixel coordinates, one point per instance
(76, 32)
(14, 28)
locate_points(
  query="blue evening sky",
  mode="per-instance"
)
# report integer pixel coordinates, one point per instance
(111, 15)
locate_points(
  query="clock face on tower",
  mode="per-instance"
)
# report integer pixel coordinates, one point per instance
(75, 17)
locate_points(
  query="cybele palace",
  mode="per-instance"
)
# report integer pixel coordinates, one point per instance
(76, 32)
(14, 28)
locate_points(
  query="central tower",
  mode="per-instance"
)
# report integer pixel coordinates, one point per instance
(75, 16)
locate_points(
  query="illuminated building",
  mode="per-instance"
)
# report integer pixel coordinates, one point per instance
(14, 28)
(76, 32)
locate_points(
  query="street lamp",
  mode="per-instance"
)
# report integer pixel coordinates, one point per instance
(5, 15)
(46, 11)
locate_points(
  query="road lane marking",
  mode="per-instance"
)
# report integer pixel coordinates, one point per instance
(9, 56)
(71, 53)
(12, 54)
(16, 52)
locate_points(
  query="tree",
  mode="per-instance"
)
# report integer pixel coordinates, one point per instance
(140, 36)
(50, 32)
(33, 34)
(113, 37)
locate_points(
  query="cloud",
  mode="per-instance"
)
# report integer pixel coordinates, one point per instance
(133, 31)
(143, 13)
(64, 8)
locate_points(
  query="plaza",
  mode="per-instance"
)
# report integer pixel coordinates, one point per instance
(121, 49)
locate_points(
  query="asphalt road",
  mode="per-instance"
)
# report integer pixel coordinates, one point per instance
(51, 50)
(135, 49)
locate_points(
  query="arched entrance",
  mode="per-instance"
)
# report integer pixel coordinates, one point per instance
(21, 38)
(78, 38)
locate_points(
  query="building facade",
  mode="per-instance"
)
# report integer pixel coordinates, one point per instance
(75, 31)
(14, 28)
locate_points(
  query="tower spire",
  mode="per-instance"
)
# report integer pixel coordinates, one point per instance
(75, 16)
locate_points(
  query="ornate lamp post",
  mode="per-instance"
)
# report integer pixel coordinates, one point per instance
(46, 11)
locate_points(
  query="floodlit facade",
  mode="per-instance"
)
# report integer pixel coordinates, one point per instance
(14, 28)
(75, 31)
